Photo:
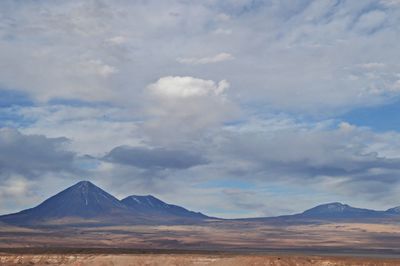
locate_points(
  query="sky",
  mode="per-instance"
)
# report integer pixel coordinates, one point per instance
(235, 108)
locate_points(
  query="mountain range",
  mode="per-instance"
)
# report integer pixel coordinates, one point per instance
(85, 203)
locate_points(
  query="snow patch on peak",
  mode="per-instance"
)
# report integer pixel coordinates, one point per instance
(149, 202)
(336, 206)
(84, 183)
(135, 199)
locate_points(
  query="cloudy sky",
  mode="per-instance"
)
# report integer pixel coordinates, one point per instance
(235, 108)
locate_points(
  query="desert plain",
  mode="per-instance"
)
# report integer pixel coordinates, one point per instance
(232, 242)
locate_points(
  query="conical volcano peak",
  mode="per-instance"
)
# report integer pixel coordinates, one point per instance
(82, 200)
(84, 188)
(84, 184)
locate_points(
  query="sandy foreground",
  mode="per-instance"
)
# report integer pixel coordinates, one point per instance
(178, 260)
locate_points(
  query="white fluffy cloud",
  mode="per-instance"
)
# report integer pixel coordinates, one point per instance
(184, 107)
(184, 87)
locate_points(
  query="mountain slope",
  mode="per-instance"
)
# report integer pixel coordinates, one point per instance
(82, 200)
(153, 206)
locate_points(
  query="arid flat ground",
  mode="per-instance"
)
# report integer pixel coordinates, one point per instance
(226, 235)
(213, 243)
(181, 260)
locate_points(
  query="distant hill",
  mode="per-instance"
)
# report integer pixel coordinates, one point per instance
(338, 210)
(395, 210)
(84, 203)
(334, 212)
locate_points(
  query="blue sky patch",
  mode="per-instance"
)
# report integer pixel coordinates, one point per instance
(378, 118)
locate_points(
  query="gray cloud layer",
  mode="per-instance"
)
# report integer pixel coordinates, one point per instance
(32, 155)
(343, 155)
(29, 166)
(155, 158)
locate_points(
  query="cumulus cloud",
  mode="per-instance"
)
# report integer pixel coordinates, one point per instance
(206, 60)
(183, 107)
(154, 158)
(183, 87)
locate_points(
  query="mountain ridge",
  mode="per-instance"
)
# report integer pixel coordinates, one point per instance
(152, 204)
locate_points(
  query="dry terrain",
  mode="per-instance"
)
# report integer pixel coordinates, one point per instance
(189, 259)
(212, 243)
(225, 235)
